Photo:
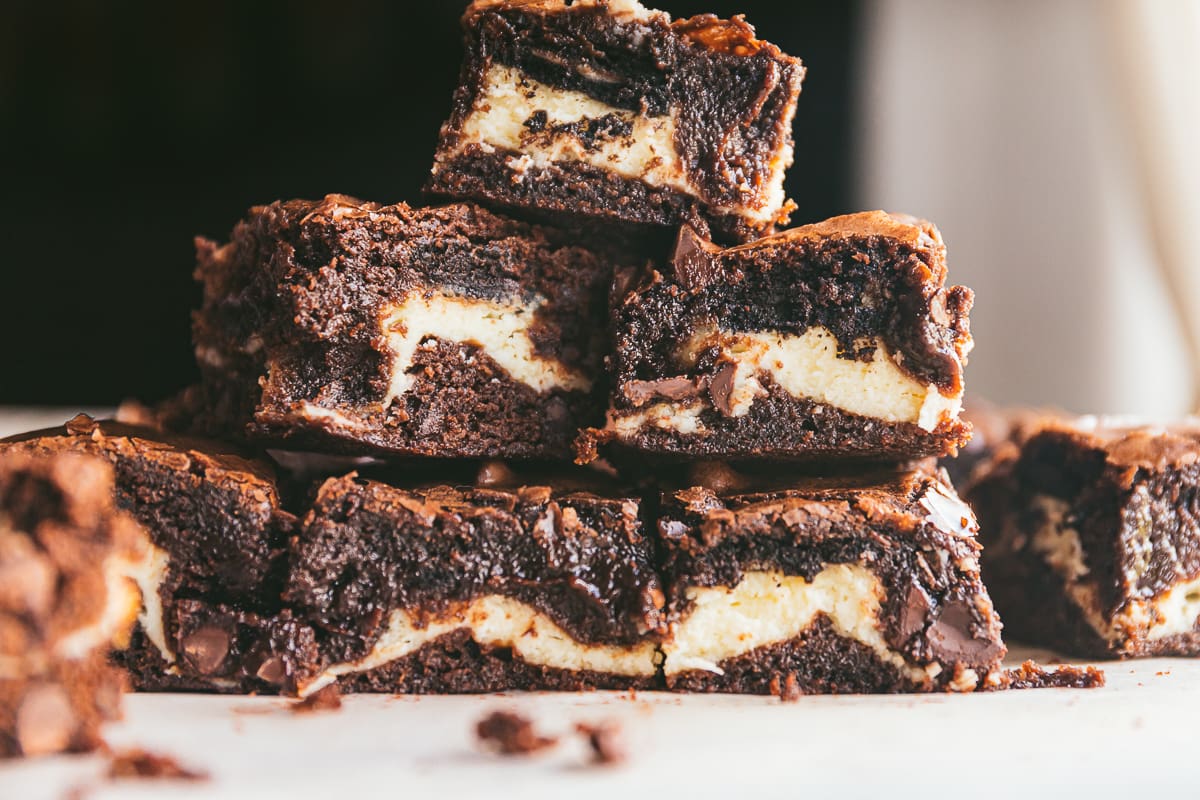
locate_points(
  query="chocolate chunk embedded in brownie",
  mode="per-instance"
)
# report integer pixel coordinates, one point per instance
(65, 552)
(609, 110)
(211, 579)
(1092, 537)
(356, 328)
(476, 590)
(827, 586)
(831, 341)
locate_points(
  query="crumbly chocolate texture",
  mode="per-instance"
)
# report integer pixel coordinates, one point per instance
(871, 283)
(1092, 537)
(63, 602)
(219, 533)
(296, 339)
(367, 549)
(908, 530)
(719, 101)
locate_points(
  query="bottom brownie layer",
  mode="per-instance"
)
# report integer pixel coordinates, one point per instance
(457, 664)
(820, 661)
(776, 426)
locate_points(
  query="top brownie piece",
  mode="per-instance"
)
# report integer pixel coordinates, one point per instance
(610, 110)
(831, 341)
(356, 328)
(1092, 530)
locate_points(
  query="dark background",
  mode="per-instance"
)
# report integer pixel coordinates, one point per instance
(128, 128)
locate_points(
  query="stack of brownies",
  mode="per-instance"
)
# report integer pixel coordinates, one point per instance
(381, 493)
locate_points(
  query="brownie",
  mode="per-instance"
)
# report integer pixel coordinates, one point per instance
(65, 551)
(355, 328)
(835, 341)
(607, 110)
(446, 589)
(867, 584)
(211, 616)
(1092, 537)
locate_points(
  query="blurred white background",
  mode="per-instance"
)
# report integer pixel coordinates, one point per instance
(1055, 143)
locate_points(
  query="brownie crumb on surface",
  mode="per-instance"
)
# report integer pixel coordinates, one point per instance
(1034, 676)
(511, 734)
(142, 764)
(606, 740)
(327, 699)
(788, 689)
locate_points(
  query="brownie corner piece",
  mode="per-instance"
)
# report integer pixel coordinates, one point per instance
(476, 590)
(211, 573)
(850, 585)
(832, 341)
(449, 331)
(1091, 529)
(610, 110)
(65, 550)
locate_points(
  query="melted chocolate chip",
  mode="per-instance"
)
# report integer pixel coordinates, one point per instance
(951, 639)
(641, 392)
(695, 260)
(206, 649)
(720, 388)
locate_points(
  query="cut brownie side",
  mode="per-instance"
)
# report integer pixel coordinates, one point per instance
(831, 341)
(210, 582)
(848, 585)
(65, 599)
(356, 328)
(609, 110)
(1092, 534)
(475, 590)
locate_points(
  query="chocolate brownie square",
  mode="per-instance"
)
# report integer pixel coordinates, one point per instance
(65, 552)
(853, 584)
(1092, 537)
(607, 110)
(832, 341)
(348, 327)
(210, 580)
(458, 590)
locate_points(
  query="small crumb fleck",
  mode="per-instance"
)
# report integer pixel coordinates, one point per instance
(511, 734)
(787, 690)
(326, 699)
(141, 764)
(606, 740)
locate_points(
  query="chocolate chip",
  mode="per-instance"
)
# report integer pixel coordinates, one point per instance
(678, 388)
(695, 260)
(82, 425)
(915, 614)
(45, 721)
(495, 473)
(951, 638)
(272, 670)
(206, 648)
(721, 387)
(717, 476)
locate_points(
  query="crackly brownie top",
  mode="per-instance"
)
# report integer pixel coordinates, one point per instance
(216, 512)
(861, 276)
(578, 557)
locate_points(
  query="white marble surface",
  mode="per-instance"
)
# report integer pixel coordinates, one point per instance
(1132, 736)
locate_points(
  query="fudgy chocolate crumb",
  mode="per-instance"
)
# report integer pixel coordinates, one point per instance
(787, 689)
(606, 740)
(511, 734)
(1034, 676)
(327, 699)
(142, 764)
